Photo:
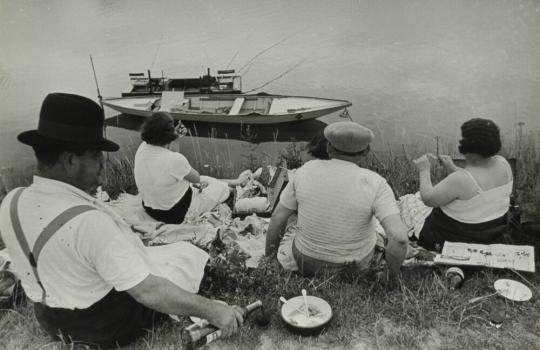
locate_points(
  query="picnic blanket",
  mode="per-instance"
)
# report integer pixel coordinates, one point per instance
(129, 207)
(200, 227)
(209, 219)
(250, 233)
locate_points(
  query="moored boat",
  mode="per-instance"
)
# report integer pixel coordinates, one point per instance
(228, 108)
(225, 82)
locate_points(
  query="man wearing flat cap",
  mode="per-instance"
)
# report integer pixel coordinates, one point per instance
(86, 272)
(337, 201)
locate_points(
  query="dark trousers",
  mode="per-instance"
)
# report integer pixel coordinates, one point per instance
(176, 214)
(115, 320)
(310, 267)
(439, 228)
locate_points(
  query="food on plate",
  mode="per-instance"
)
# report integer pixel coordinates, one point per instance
(315, 316)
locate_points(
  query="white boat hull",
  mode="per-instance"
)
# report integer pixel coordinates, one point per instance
(253, 109)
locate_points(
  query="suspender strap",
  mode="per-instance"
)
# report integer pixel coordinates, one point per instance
(55, 225)
(44, 236)
(13, 211)
(17, 224)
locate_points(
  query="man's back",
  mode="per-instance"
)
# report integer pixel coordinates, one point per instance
(336, 202)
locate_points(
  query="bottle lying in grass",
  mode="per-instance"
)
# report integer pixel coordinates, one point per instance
(201, 333)
(497, 313)
(455, 277)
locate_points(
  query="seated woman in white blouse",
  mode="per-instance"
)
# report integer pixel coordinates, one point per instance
(164, 177)
(470, 204)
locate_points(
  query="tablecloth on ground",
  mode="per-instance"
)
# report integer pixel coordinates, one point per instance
(210, 218)
(200, 228)
(250, 233)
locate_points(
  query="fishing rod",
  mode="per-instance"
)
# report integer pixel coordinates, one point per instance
(260, 53)
(267, 49)
(100, 98)
(95, 79)
(278, 77)
(232, 59)
(156, 53)
(103, 113)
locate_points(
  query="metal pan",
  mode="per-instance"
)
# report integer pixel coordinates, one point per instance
(293, 315)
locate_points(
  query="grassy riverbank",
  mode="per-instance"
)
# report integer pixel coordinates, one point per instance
(420, 314)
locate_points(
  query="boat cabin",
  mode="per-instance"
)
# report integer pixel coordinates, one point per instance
(224, 82)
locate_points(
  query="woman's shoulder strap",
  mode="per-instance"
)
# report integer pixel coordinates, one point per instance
(479, 189)
(507, 166)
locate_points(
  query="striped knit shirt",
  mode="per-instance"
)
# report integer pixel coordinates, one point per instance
(336, 202)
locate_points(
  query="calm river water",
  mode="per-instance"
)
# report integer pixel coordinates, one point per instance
(412, 69)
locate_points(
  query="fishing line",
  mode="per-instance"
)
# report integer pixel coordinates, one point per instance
(268, 48)
(232, 59)
(278, 77)
(156, 53)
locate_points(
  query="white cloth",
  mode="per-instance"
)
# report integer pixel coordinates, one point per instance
(206, 200)
(159, 175)
(181, 263)
(93, 253)
(486, 205)
(253, 204)
(285, 251)
(337, 202)
(413, 213)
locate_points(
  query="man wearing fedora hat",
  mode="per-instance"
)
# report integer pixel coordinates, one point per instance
(336, 201)
(83, 268)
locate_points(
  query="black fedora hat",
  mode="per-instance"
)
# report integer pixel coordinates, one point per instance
(71, 121)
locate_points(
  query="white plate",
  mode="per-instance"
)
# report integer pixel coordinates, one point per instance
(198, 320)
(512, 290)
(293, 312)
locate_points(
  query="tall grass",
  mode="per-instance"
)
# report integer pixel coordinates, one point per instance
(421, 314)
(216, 159)
(528, 176)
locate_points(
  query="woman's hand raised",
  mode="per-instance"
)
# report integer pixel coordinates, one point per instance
(447, 163)
(423, 163)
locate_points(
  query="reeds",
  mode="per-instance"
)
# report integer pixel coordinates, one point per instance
(213, 157)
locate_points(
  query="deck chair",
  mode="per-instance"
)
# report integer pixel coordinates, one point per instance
(171, 99)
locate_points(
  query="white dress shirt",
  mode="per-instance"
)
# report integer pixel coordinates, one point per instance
(87, 257)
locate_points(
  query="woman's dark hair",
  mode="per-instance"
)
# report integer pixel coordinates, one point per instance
(480, 136)
(158, 130)
(317, 147)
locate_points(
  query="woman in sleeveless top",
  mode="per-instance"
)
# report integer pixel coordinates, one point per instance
(471, 203)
